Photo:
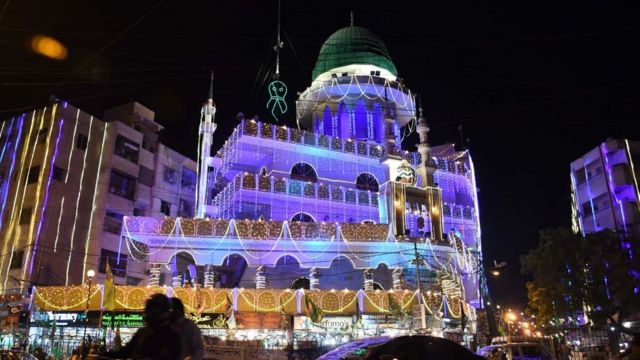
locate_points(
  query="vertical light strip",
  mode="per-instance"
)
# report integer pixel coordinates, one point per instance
(71, 147)
(31, 241)
(75, 220)
(593, 211)
(93, 207)
(4, 192)
(7, 140)
(55, 243)
(45, 202)
(577, 202)
(633, 173)
(15, 218)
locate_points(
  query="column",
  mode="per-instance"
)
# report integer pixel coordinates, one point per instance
(314, 282)
(261, 277)
(398, 278)
(209, 276)
(154, 275)
(368, 279)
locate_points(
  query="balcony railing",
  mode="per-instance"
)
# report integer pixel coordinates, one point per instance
(292, 135)
(319, 191)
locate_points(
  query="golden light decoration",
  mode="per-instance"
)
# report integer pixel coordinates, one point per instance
(48, 46)
(168, 226)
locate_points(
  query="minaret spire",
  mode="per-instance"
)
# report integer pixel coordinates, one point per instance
(423, 146)
(211, 87)
(351, 15)
(207, 128)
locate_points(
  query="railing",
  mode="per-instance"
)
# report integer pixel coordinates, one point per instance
(319, 191)
(285, 134)
(362, 148)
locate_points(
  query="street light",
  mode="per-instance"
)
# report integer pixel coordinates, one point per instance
(90, 274)
(509, 318)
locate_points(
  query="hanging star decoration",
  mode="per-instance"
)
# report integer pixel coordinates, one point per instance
(277, 103)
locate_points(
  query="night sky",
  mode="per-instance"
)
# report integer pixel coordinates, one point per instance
(535, 84)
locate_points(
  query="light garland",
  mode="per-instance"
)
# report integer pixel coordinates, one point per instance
(75, 220)
(94, 205)
(16, 214)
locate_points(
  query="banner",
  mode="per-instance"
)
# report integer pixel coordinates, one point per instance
(258, 321)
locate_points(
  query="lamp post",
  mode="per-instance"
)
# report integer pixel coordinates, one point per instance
(90, 274)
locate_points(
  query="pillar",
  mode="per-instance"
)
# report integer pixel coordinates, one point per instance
(261, 277)
(209, 276)
(398, 278)
(368, 279)
(314, 282)
(154, 275)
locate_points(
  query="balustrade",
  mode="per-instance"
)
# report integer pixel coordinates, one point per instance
(283, 185)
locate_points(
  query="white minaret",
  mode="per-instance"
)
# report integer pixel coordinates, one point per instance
(207, 128)
(423, 148)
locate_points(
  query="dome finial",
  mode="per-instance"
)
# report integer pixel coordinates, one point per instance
(351, 17)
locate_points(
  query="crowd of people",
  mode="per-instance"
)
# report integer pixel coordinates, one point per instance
(167, 335)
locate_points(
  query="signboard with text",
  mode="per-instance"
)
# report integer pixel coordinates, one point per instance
(329, 324)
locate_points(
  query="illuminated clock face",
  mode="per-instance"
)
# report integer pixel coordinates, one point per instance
(406, 174)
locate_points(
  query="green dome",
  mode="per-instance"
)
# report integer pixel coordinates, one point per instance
(353, 45)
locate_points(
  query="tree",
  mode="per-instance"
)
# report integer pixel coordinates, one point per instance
(575, 276)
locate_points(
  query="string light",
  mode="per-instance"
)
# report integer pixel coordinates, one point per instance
(75, 220)
(16, 213)
(95, 195)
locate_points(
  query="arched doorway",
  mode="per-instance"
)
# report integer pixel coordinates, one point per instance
(367, 182)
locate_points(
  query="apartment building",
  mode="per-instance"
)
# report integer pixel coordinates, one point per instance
(68, 179)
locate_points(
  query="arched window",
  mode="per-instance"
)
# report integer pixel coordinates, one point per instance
(366, 181)
(302, 217)
(304, 172)
(361, 123)
(327, 121)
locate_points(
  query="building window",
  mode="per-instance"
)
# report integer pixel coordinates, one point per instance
(145, 176)
(16, 260)
(25, 216)
(122, 185)
(188, 179)
(587, 209)
(138, 211)
(185, 208)
(118, 268)
(304, 172)
(127, 149)
(113, 222)
(165, 207)
(34, 174)
(59, 173)
(82, 141)
(367, 182)
(170, 175)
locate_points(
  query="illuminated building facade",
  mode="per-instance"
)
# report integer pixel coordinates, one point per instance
(604, 189)
(332, 204)
(69, 178)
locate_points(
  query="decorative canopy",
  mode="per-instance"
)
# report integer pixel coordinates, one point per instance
(353, 45)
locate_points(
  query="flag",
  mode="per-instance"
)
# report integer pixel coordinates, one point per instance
(229, 309)
(313, 311)
(284, 322)
(109, 302)
(358, 314)
(394, 308)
